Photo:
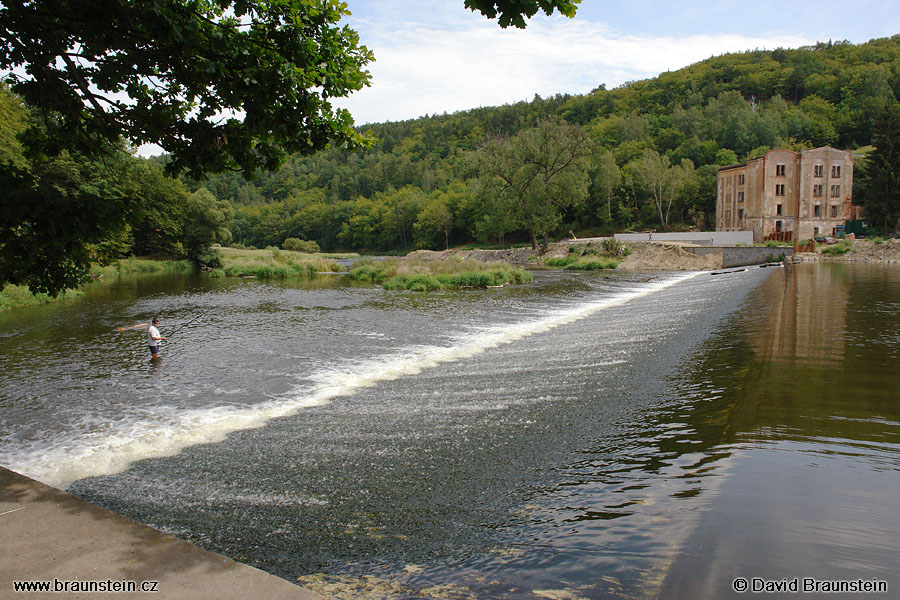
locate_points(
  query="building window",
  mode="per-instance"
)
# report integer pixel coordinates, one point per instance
(740, 213)
(778, 209)
(779, 170)
(818, 189)
(779, 189)
(835, 191)
(835, 170)
(834, 210)
(817, 211)
(819, 171)
(778, 225)
(740, 196)
(740, 180)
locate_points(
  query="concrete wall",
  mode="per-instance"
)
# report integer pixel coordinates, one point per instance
(741, 256)
(701, 238)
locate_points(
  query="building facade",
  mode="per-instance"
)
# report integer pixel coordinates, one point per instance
(786, 194)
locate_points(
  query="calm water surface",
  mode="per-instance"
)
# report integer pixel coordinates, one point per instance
(585, 436)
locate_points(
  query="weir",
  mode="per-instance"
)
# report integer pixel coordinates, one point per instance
(112, 450)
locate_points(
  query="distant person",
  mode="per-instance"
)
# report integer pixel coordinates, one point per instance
(153, 335)
(154, 338)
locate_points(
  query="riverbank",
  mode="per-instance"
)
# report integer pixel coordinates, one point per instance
(874, 250)
(263, 264)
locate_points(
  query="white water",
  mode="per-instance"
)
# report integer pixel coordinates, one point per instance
(168, 430)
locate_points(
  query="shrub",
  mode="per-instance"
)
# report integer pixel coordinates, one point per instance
(559, 262)
(592, 264)
(613, 247)
(208, 258)
(838, 249)
(298, 245)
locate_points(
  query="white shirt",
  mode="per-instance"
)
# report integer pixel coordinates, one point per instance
(153, 332)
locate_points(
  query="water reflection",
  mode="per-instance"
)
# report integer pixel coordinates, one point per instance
(805, 404)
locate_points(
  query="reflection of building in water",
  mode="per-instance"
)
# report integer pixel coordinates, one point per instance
(787, 194)
(808, 319)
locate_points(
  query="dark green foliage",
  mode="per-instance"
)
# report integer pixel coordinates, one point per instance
(298, 245)
(878, 177)
(514, 12)
(54, 216)
(184, 63)
(207, 258)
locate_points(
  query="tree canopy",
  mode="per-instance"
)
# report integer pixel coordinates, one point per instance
(218, 84)
(514, 12)
(879, 176)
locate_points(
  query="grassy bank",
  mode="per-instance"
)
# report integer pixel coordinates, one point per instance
(275, 263)
(16, 296)
(137, 266)
(590, 256)
(582, 263)
(267, 263)
(422, 276)
(842, 247)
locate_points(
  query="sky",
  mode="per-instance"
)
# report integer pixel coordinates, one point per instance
(436, 56)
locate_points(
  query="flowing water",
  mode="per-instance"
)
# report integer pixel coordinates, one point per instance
(585, 436)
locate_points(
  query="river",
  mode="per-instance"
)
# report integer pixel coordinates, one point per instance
(585, 436)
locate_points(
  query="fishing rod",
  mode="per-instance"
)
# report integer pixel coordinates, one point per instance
(145, 325)
(203, 314)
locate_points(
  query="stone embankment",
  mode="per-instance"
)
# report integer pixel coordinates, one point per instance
(656, 256)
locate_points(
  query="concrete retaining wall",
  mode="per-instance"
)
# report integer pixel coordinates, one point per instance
(741, 255)
(700, 238)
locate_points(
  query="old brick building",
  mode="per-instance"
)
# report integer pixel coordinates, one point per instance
(806, 194)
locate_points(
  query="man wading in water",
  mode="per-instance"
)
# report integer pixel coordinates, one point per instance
(153, 336)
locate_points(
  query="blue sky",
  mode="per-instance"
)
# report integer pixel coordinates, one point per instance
(435, 56)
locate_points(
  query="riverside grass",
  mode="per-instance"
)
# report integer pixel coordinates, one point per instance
(17, 296)
(274, 263)
(424, 276)
(269, 263)
(582, 263)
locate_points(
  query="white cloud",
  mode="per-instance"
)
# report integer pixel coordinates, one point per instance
(426, 69)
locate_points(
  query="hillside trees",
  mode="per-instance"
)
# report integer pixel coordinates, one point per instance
(878, 178)
(542, 171)
(608, 178)
(207, 222)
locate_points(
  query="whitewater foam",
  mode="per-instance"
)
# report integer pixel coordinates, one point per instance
(113, 450)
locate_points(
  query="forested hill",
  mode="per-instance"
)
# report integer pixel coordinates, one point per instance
(422, 181)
